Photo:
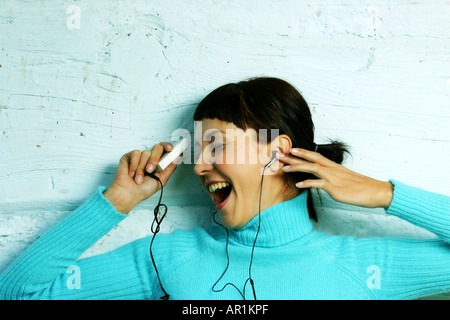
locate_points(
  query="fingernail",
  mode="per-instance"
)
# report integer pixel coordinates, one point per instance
(299, 184)
(169, 148)
(281, 155)
(286, 168)
(139, 179)
(150, 168)
(295, 150)
(132, 174)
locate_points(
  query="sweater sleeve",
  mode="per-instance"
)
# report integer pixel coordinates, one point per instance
(422, 208)
(404, 268)
(49, 268)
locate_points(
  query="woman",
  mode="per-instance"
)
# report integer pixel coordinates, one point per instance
(263, 245)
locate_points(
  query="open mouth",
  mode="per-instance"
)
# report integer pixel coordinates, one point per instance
(221, 191)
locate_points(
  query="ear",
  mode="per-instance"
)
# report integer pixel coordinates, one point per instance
(284, 143)
(281, 144)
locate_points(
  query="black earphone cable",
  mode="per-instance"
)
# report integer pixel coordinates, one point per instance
(228, 264)
(154, 230)
(256, 237)
(252, 283)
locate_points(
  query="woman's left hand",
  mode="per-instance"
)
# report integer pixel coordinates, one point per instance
(340, 183)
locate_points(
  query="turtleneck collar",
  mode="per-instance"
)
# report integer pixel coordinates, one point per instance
(280, 224)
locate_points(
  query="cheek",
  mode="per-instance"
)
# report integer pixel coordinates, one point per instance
(244, 177)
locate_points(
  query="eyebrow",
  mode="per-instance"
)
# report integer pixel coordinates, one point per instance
(210, 133)
(215, 130)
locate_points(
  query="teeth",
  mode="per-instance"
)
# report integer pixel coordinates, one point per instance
(215, 186)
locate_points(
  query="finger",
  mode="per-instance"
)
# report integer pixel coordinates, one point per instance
(167, 146)
(312, 157)
(307, 167)
(133, 162)
(145, 155)
(155, 155)
(128, 164)
(288, 159)
(311, 183)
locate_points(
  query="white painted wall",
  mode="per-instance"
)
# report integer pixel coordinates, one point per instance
(73, 100)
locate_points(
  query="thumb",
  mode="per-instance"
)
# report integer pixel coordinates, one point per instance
(124, 165)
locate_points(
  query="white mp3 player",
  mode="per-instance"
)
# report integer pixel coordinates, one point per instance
(169, 157)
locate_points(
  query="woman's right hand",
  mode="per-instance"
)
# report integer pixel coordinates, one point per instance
(131, 185)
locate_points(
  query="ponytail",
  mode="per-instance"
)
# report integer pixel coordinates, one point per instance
(334, 150)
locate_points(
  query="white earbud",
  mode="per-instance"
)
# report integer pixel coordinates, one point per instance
(272, 160)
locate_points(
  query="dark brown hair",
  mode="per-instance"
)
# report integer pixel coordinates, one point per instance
(270, 103)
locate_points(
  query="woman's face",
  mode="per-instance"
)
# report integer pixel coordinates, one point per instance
(229, 163)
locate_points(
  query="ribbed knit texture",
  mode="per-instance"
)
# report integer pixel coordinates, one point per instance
(291, 259)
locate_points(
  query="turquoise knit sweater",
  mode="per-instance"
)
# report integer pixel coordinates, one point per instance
(291, 259)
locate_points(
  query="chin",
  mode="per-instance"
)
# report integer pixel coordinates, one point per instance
(228, 220)
(231, 214)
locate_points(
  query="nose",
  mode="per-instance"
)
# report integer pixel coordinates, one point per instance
(203, 166)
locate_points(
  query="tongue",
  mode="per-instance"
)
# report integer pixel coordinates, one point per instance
(222, 194)
(217, 200)
(219, 196)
